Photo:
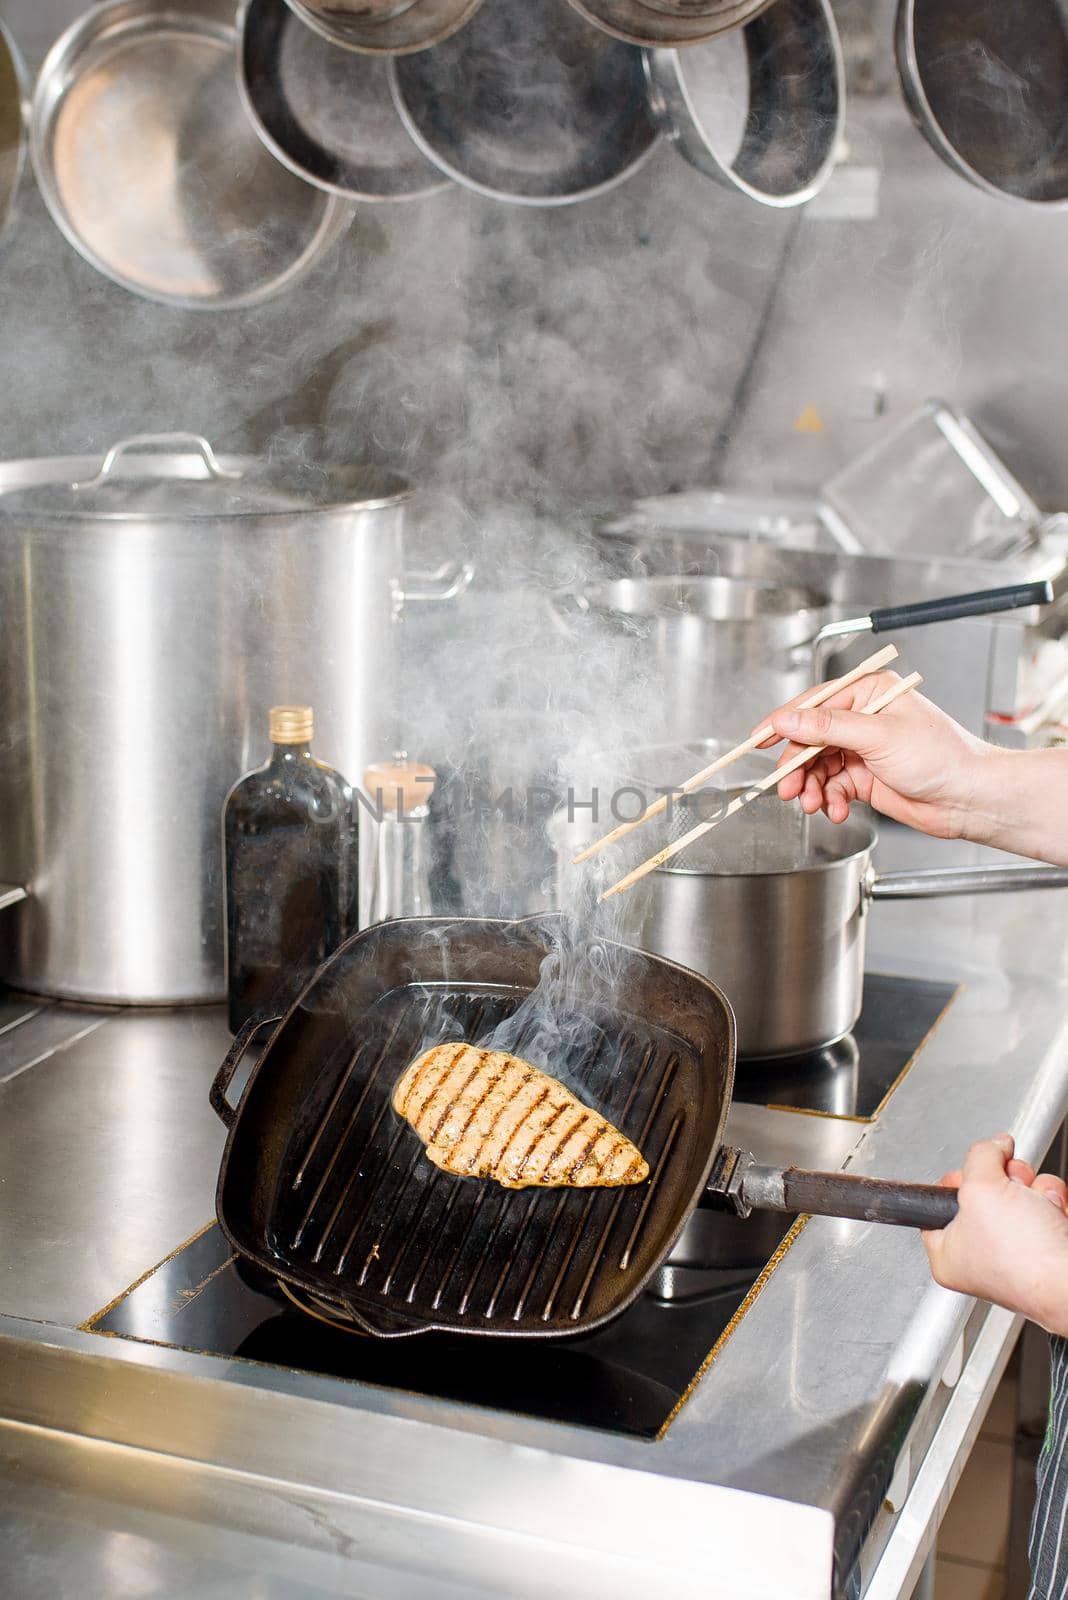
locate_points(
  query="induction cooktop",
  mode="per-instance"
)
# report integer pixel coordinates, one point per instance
(630, 1377)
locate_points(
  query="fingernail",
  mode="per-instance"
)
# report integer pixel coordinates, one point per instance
(789, 722)
(1006, 1142)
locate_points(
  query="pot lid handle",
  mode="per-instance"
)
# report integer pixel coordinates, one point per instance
(166, 440)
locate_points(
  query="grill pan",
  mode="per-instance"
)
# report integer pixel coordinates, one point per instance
(323, 1185)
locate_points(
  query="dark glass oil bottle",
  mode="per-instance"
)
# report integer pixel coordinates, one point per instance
(288, 836)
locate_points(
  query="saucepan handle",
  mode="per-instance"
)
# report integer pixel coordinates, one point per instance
(224, 1077)
(845, 1194)
(936, 882)
(985, 602)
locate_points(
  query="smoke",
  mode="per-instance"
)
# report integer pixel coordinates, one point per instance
(529, 369)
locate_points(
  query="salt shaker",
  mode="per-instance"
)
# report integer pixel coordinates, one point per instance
(394, 874)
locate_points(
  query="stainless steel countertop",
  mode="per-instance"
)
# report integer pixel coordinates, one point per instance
(195, 1473)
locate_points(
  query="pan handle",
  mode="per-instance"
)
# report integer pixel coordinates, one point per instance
(936, 882)
(845, 1194)
(747, 1186)
(983, 603)
(224, 1077)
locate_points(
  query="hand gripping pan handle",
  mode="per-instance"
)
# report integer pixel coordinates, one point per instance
(224, 1077)
(747, 1186)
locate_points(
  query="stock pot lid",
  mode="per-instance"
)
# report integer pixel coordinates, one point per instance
(183, 477)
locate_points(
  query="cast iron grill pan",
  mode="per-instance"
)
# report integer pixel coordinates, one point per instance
(325, 1186)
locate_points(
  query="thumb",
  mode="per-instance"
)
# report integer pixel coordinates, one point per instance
(986, 1161)
(844, 730)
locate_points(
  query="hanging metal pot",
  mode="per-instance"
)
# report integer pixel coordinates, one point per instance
(987, 86)
(150, 167)
(384, 27)
(528, 105)
(668, 23)
(327, 114)
(761, 111)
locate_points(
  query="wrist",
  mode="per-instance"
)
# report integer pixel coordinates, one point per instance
(1018, 801)
(986, 810)
(1052, 1314)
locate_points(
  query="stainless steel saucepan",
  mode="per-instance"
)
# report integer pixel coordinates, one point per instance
(727, 649)
(773, 906)
(787, 946)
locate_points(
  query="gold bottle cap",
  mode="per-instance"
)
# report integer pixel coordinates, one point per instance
(413, 781)
(292, 724)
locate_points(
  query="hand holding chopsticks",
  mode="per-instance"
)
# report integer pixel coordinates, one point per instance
(905, 686)
(817, 697)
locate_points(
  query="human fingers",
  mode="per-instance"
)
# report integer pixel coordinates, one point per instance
(1053, 1188)
(934, 1243)
(870, 737)
(934, 1239)
(807, 783)
(987, 1160)
(852, 697)
(825, 766)
(839, 794)
(792, 785)
(1021, 1172)
(812, 795)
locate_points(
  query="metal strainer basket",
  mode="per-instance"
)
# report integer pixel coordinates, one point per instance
(765, 836)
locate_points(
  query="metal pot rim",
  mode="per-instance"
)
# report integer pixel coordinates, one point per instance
(857, 826)
(813, 601)
(152, 470)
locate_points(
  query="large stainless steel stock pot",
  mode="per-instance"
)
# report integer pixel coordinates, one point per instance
(155, 604)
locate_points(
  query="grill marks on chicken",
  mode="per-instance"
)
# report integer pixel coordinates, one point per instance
(489, 1114)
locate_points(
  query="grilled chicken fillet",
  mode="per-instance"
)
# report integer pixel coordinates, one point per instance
(488, 1114)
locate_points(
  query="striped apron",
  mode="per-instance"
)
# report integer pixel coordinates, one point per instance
(1048, 1548)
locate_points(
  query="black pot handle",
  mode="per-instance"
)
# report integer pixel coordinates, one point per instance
(983, 603)
(845, 1194)
(746, 1186)
(224, 1077)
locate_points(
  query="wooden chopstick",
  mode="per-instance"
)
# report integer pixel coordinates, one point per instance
(817, 697)
(769, 782)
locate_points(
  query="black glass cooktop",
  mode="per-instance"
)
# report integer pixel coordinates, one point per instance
(854, 1077)
(629, 1377)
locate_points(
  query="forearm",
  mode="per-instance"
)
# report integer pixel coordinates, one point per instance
(1019, 802)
